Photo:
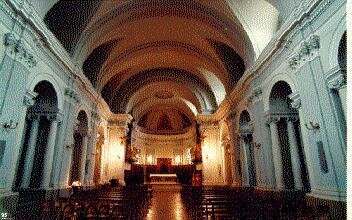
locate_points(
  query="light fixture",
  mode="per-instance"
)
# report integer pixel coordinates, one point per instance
(177, 159)
(10, 125)
(149, 159)
(312, 126)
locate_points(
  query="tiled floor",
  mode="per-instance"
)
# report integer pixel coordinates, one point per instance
(166, 204)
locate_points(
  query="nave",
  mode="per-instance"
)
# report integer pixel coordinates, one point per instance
(159, 202)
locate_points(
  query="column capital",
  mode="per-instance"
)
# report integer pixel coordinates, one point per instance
(32, 116)
(336, 80)
(292, 118)
(55, 116)
(246, 129)
(29, 98)
(271, 119)
(295, 100)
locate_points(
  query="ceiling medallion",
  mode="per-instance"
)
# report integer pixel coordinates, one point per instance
(164, 94)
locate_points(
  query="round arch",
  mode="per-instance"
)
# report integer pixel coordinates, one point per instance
(266, 93)
(83, 108)
(54, 81)
(335, 42)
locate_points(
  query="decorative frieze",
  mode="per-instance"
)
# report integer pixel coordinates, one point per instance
(18, 49)
(95, 117)
(306, 51)
(72, 95)
(276, 117)
(255, 96)
(50, 115)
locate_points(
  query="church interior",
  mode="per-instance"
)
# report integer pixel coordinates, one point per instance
(173, 109)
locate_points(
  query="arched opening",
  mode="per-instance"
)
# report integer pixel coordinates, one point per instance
(247, 150)
(80, 137)
(287, 146)
(35, 164)
(339, 86)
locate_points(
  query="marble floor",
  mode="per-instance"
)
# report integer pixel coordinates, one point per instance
(166, 204)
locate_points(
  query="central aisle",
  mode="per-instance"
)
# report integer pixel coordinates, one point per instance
(166, 204)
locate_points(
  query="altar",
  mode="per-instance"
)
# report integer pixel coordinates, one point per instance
(170, 178)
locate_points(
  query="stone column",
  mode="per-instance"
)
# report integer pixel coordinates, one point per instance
(83, 159)
(29, 159)
(117, 133)
(49, 152)
(245, 166)
(296, 165)
(276, 149)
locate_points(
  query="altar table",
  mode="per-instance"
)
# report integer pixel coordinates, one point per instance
(170, 178)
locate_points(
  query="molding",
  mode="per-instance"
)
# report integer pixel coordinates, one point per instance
(328, 194)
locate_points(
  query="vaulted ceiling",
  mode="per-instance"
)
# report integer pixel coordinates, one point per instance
(185, 55)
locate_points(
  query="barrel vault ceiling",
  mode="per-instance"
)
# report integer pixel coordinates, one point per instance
(183, 55)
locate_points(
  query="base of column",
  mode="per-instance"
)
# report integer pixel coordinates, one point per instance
(328, 194)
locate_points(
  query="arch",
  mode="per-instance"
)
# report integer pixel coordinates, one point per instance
(342, 52)
(279, 97)
(272, 81)
(80, 137)
(245, 118)
(84, 108)
(54, 81)
(287, 145)
(249, 174)
(238, 117)
(335, 42)
(39, 138)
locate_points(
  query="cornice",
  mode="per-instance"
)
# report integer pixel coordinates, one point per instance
(190, 136)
